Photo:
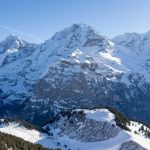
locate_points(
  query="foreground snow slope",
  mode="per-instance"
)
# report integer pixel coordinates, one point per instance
(33, 135)
(83, 129)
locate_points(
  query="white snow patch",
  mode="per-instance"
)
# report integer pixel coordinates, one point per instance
(100, 115)
(110, 57)
(76, 53)
(111, 43)
(20, 131)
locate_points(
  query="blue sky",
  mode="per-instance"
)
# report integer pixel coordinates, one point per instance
(38, 20)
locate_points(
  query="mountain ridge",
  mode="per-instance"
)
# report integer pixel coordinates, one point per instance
(76, 68)
(92, 129)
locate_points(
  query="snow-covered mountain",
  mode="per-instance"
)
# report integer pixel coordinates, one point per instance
(13, 48)
(76, 68)
(134, 51)
(97, 129)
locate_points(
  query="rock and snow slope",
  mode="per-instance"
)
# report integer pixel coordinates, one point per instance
(95, 129)
(76, 68)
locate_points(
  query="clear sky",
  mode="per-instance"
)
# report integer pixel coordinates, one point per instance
(38, 20)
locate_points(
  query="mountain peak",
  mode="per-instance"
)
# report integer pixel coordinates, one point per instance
(82, 26)
(11, 41)
(12, 37)
(76, 30)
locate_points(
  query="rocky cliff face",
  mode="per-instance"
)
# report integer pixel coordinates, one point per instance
(76, 68)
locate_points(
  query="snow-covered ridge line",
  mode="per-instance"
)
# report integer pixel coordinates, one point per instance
(59, 137)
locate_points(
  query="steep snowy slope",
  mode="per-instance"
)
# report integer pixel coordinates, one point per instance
(26, 131)
(11, 142)
(76, 68)
(95, 129)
